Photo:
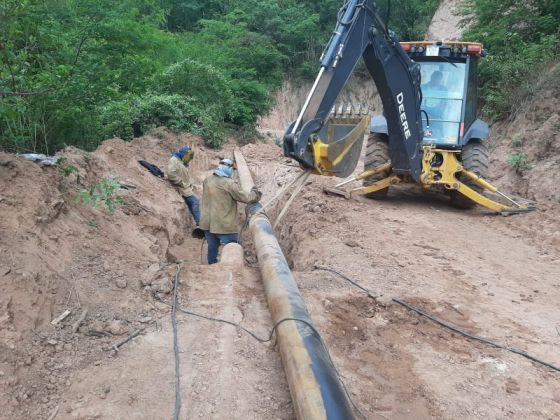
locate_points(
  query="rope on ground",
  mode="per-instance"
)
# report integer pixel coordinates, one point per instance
(176, 346)
(448, 325)
(284, 189)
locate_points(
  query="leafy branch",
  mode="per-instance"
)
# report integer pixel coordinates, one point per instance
(102, 192)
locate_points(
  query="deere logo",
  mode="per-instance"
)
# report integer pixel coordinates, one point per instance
(402, 113)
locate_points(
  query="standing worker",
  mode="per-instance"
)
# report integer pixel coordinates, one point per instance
(219, 207)
(178, 175)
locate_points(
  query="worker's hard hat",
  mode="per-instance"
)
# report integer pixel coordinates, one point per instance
(186, 154)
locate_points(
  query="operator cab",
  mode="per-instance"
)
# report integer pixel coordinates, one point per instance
(449, 89)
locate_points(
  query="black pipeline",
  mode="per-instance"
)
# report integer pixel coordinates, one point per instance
(315, 387)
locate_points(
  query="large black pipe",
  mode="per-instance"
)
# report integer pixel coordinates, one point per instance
(315, 387)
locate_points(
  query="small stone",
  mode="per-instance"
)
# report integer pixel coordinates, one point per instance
(150, 274)
(163, 285)
(384, 300)
(145, 319)
(52, 342)
(117, 327)
(352, 244)
(121, 283)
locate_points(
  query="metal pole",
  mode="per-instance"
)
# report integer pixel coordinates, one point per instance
(314, 384)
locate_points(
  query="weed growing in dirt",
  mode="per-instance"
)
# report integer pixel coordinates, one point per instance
(518, 161)
(92, 224)
(66, 170)
(102, 192)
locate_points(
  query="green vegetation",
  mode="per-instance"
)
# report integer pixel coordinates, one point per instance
(518, 161)
(102, 192)
(75, 72)
(66, 169)
(522, 38)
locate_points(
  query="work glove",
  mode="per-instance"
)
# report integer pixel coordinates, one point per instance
(258, 193)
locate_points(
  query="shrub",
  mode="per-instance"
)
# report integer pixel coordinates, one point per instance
(102, 192)
(522, 37)
(518, 161)
(137, 115)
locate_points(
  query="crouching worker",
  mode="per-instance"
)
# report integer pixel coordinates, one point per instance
(178, 175)
(219, 207)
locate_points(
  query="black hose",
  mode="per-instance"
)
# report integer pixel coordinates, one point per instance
(473, 337)
(269, 338)
(176, 347)
(448, 325)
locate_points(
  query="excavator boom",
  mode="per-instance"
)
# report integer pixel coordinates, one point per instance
(361, 33)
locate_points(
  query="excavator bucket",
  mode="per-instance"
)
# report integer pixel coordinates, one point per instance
(344, 134)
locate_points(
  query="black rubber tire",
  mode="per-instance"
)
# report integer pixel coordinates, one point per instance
(474, 157)
(377, 154)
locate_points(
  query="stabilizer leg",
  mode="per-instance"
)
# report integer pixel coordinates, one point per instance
(487, 202)
(379, 185)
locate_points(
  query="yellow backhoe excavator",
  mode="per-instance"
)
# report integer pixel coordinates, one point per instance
(429, 133)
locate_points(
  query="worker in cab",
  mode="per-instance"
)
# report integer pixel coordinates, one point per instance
(178, 175)
(219, 207)
(436, 81)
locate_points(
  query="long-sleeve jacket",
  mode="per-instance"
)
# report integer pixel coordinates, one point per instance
(219, 204)
(178, 175)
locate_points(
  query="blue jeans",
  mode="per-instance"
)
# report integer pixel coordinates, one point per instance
(214, 240)
(193, 203)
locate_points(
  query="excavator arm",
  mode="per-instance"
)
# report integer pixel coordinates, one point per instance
(360, 32)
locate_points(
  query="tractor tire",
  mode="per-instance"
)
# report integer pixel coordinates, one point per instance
(377, 154)
(474, 158)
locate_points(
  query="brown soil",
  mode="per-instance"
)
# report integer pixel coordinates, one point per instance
(56, 254)
(446, 23)
(484, 273)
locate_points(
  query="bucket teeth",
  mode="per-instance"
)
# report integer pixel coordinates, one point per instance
(348, 113)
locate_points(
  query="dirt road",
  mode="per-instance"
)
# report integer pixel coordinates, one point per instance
(488, 274)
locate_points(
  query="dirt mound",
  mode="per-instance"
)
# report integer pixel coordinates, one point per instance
(58, 254)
